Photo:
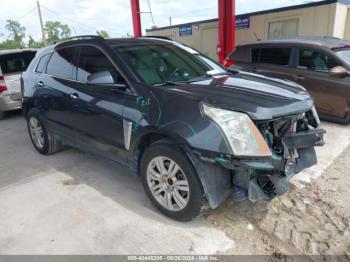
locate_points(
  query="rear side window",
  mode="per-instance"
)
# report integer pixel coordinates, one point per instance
(62, 63)
(275, 56)
(42, 63)
(93, 60)
(315, 60)
(16, 62)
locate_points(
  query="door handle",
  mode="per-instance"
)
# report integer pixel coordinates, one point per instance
(40, 84)
(74, 96)
(299, 77)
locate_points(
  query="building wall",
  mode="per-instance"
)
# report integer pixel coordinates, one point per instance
(323, 20)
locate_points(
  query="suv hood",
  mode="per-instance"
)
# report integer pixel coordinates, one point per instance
(262, 98)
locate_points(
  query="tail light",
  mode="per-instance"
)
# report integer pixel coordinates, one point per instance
(228, 63)
(3, 86)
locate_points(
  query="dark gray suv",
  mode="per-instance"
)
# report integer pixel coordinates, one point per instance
(191, 130)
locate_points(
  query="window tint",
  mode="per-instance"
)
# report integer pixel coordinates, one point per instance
(17, 62)
(61, 63)
(42, 63)
(92, 61)
(276, 56)
(315, 60)
(255, 55)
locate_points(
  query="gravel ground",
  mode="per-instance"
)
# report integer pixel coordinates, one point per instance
(313, 220)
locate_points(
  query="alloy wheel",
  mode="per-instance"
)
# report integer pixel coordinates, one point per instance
(36, 132)
(168, 183)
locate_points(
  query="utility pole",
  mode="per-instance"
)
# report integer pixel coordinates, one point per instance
(41, 23)
(170, 20)
(150, 11)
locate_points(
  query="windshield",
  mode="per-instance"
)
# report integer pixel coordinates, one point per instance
(157, 64)
(345, 54)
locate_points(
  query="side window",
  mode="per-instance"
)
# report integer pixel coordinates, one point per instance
(275, 56)
(92, 61)
(255, 55)
(42, 63)
(61, 63)
(315, 60)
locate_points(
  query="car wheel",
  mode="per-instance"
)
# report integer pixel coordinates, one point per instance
(171, 182)
(2, 115)
(43, 140)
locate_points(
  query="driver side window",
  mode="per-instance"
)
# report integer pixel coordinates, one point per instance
(93, 61)
(315, 60)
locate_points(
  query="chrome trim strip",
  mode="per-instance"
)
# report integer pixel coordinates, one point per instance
(127, 126)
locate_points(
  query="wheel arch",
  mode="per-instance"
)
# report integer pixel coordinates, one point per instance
(215, 180)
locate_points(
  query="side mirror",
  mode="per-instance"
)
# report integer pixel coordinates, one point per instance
(100, 78)
(338, 72)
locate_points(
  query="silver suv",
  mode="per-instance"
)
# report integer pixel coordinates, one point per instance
(12, 64)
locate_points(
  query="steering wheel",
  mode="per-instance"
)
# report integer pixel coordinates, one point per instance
(176, 72)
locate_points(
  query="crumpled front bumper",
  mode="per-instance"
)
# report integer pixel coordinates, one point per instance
(264, 178)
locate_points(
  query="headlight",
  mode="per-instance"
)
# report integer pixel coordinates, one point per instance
(243, 136)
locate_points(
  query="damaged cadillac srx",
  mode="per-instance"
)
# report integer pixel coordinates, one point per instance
(193, 131)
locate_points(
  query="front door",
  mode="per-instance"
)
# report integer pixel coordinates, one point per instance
(97, 109)
(312, 72)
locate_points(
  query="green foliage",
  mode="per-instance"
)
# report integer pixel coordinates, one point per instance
(56, 30)
(15, 36)
(34, 44)
(102, 33)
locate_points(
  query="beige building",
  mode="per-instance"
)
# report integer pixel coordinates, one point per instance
(324, 18)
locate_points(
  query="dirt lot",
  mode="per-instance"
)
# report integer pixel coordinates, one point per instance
(74, 203)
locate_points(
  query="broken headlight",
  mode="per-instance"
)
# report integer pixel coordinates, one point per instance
(243, 136)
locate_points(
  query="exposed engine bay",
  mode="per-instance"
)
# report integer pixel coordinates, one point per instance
(291, 140)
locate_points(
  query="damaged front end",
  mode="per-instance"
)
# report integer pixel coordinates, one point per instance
(291, 140)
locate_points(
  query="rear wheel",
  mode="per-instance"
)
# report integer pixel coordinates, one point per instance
(43, 140)
(171, 182)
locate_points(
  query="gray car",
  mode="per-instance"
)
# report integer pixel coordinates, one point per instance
(12, 64)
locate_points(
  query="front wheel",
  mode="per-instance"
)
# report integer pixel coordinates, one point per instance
(171, 182)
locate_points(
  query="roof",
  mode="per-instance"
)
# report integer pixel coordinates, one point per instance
(12, 51)
(276, 10)
(326, 41)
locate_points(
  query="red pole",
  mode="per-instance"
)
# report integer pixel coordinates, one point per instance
(226, 28)
(136, 19)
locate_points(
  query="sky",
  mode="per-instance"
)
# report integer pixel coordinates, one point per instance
(114, 16)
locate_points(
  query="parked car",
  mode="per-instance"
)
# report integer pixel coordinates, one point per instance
(189, 128)
(320, 64)
(12, 64)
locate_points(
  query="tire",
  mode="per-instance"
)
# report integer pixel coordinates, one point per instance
(48, 143)
(171, 184)
(2, 115)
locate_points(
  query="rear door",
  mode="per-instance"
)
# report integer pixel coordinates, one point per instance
(55, 86)
(12, 66)
(312, 71)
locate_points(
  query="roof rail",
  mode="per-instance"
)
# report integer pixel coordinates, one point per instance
(78, 37)
(160, 37)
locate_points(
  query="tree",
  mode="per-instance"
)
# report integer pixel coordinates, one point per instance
(16, 34)
(56, 30)
(102, 33)
(34, 44)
